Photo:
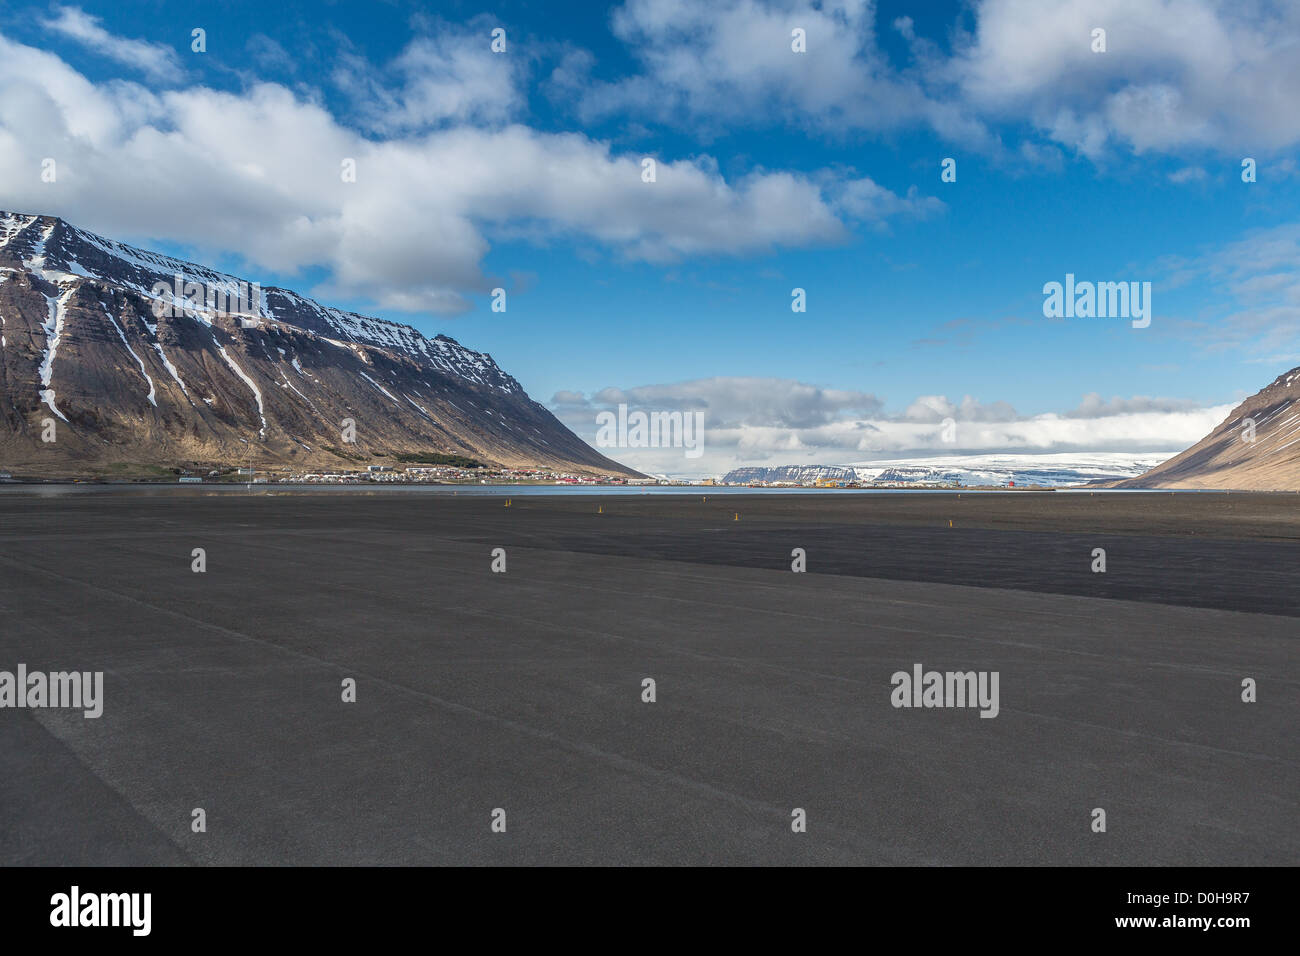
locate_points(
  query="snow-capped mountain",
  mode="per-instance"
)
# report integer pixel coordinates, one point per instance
(1053, 470)
(63, 251)
(144, 358)
(789, 474)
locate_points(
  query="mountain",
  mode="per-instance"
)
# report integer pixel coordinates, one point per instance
(1053, 470)
(1233, 458)
(793, 474)
(142, 360)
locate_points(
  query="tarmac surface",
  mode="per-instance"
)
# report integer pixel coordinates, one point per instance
(522, 691)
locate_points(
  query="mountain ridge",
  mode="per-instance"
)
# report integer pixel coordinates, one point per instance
(206, 370)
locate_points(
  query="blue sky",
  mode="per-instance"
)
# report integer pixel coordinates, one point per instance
(776, 170)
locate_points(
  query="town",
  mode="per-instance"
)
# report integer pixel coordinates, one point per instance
(455, 474)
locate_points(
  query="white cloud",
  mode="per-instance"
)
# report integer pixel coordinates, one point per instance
(157, 61)
(935, 408)
(741, 402)
(762, 421)
(730, 62)
(449, 76)
(867, 201)
(1094, 406)
(1188, 174)
(1175, 74)
(257, 174)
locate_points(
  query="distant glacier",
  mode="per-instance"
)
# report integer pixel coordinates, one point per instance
(1051, 470)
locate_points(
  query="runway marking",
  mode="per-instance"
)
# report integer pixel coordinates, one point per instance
(39, 719)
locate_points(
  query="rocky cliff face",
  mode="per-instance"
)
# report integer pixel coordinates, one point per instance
(1256, 448)
(141, 359)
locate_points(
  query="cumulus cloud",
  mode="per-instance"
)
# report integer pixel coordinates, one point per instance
(867, 201)
(1094, 406)
(765, 421)
(935, 408)
(448, 76)
(201, 167)
(729, 62)
(1175, 74)
(153, 59)
(742, 402)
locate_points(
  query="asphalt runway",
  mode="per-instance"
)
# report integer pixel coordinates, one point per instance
(523, 690)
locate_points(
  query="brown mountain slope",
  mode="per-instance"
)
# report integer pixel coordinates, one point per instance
(82, 346)
(1235, 455)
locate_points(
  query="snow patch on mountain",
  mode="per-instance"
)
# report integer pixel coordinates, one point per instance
(122, 335)
(171, 369)
(261, 410)
(381, 388)
(53, 329)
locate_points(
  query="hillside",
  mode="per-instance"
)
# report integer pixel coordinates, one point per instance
(1231, 458)
(143, 361)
